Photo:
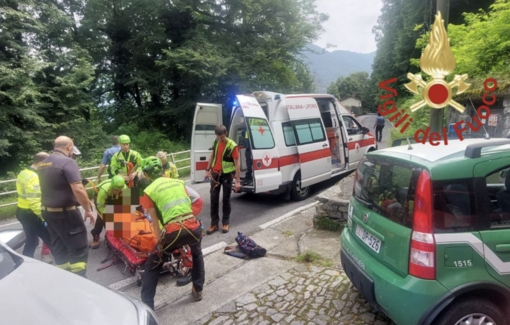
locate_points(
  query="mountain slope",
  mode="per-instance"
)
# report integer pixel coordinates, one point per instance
(328, 66)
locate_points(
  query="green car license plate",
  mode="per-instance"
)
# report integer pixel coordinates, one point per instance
(373, 242)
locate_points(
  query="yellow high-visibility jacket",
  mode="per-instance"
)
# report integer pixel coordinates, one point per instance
(170, 170)
(29, 191)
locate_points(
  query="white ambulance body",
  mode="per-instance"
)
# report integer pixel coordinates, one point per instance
(296, 140)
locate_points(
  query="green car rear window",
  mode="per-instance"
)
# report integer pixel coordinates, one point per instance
(454, 206)
(387, 187)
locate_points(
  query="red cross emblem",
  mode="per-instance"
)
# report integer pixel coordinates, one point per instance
(266, 160)
(261, 130)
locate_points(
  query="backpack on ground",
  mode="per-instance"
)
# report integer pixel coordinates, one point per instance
(247, 247)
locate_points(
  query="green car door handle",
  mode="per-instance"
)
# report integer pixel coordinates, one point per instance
(503, 248)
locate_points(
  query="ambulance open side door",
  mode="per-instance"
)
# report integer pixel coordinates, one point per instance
(266, 173)
(207, 116)
(311, 140)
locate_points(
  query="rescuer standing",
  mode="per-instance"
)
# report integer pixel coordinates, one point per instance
(29, 209)
(62, 192)
(223, 167)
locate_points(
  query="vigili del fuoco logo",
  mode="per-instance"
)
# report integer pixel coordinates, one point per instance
(437, 61)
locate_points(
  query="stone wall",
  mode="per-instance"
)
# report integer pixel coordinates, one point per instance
(334, 202)
(506, 120)
(501, 108)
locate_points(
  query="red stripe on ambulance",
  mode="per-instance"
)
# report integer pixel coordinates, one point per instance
(259, 162)
(289, 160)
(201, 165)
(314, 155)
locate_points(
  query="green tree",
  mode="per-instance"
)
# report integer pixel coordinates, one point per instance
(401, 23)
(88, 68)
(44, 79)
(20, 117)
(305, 82)
(357, 84)
(480, 45)
(156, 59)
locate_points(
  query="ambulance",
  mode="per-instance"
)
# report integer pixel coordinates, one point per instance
(296, 140)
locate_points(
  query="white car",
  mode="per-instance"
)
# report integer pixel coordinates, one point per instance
(34, 292)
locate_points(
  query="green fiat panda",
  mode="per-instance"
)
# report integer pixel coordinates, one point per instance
(428, 233)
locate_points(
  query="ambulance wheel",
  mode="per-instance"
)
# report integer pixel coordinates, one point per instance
(298, 193)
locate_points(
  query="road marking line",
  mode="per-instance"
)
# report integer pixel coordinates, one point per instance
(9, 224)
(123, 284)
(286, 216)
(214, 248)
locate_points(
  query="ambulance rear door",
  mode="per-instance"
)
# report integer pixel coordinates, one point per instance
(267, 176)
(207, 116)
(311, 141)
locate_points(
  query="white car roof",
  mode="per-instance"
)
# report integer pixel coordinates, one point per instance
(435, 153)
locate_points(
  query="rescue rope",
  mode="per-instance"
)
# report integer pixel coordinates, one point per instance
(216, 182)
(94, 204)
(161, 242)
(93, 186)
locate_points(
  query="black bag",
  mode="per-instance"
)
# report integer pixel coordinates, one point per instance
(249, 247)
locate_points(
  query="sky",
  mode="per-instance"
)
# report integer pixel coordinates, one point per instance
(350, 23)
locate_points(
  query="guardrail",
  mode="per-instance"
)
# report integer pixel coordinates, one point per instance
(171, 155)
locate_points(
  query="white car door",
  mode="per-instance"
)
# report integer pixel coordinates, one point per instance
(207, 116)
(355, 140)
(311, 140)
(266, 171)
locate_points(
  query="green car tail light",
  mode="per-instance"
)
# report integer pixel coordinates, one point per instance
(422, 261)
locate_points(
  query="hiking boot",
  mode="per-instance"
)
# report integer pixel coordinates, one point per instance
(212, 229)
(184, 280)
(247, 182)
(95, 242)
(196, 294)
(46, 258)
(224, 229)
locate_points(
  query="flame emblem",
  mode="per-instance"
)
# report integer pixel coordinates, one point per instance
(437, 61)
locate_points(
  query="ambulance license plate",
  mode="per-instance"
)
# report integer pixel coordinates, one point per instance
(373, 242)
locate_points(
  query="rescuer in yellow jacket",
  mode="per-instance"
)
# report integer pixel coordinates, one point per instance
(108, 191)
(29, 209)
(169, 168)
(169, 205)
(126, 162)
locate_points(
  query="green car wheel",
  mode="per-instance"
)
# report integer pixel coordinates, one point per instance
(472, 312)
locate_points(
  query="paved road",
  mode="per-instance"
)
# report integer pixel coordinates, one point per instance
(248, 212)
(369, 121)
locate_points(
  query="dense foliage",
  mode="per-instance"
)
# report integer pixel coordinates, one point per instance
(89, 68)
(481, 46)
(400, 25)
(401, 34)
(356, 84)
